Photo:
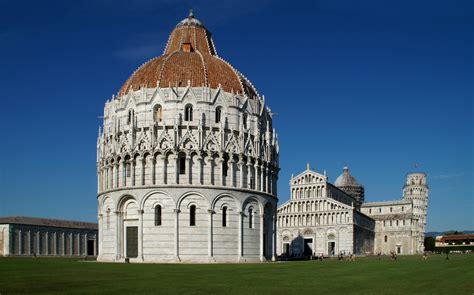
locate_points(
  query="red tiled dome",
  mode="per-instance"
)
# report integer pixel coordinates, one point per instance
(189, 56)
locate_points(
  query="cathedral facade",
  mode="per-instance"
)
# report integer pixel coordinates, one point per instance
(187, 161)
(325, 219)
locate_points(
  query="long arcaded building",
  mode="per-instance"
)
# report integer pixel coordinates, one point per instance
(25, 236)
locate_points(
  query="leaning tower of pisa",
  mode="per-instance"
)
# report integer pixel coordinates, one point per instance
(416, 190)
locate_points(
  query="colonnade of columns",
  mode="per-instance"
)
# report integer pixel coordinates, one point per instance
(310, 206)
(308, 192)
(285, 220)
(149, 170)
(41, 241)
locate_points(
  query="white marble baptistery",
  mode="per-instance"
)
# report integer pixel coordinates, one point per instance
(187, 161)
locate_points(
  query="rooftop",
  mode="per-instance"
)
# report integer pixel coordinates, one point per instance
(48, 222)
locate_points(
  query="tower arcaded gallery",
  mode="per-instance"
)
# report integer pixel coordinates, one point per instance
(187, 160)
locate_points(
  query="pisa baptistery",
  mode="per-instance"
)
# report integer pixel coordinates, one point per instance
(187, 160)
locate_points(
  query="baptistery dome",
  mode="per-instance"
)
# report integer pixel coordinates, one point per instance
(349, 184)
(187, 160)
(189, 59)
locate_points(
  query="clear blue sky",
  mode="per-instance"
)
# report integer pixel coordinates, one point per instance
(379, 85)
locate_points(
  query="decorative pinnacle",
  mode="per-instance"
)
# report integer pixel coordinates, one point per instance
(191, 15)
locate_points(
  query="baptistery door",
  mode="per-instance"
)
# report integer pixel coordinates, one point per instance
(132, 242)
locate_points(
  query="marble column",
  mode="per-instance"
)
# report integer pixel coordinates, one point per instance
(20, 242)
(29, 242)
(249, 173)
(176, 234)
(209, 235)
(262, 220)
(200, 178)
(241, 173)
(134, 172)
(153, 169)
(71, 249)
(63, 244)
(78, 236)
(241, 235)
(176, 168)
(117, 235)
(163, 169)
(189, 160)
(101, 230)
(209, 164)
(140, 235)
(122, 171)
(46, 236)
(269, 181)
(274, 238)
(231, 172)
(256, 177)
(220, 163)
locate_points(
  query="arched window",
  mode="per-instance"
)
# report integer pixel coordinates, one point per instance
(385, 239)
(182, 163)
(244, 119)
(250, 218)
(128, 168)
(192, 215)
(224, 216)
(158, 215)
(188, 113)
(158, 113)
(130, 117)
(218, 114)
(108, 218)
(225, 166)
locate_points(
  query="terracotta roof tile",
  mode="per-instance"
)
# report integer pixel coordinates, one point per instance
(200, 65)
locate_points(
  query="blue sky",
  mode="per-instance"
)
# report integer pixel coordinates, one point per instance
(379, 85)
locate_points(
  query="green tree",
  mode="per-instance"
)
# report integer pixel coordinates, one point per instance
(429, 243)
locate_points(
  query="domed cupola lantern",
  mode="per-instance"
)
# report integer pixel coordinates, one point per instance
(187, 160)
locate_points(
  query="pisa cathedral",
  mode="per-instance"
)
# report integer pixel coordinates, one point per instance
(187, 160)
(328, 219)
(187, 170)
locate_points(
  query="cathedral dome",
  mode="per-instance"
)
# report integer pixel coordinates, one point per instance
(349, 185)
(189, 58)
(345, 179)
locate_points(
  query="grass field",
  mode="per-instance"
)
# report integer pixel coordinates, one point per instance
(407, 275)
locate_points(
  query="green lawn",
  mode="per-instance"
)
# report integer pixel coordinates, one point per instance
(408, 275)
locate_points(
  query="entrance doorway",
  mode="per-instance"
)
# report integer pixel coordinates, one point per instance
(132, 242)
(90, 247)
(399, 249)
(265, 245)
(308, 247)
(286, 249)
(331, 248)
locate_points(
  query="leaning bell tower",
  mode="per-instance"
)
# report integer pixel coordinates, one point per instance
(416, 190)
